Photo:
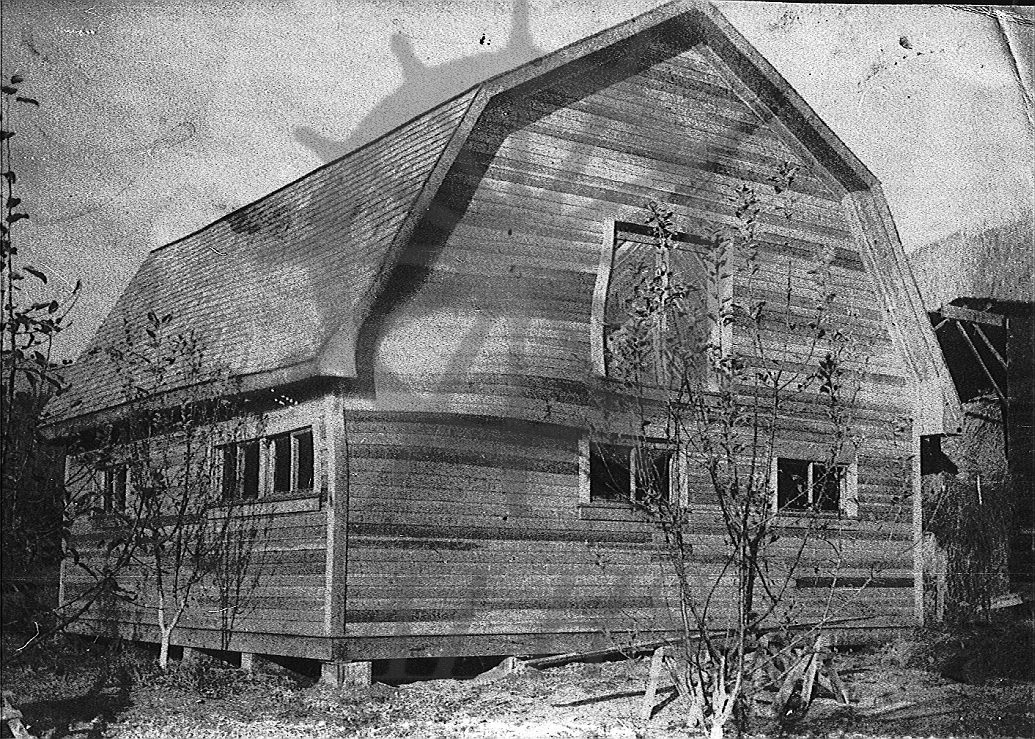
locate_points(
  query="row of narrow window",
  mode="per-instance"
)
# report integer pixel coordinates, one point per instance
(289, 469)
(291, 465)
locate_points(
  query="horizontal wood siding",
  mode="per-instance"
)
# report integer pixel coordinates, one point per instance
(465, 521)
(491, 310)
(468, 527)
(279, 582)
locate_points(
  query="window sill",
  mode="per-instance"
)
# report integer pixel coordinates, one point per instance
(294, 502)
(612, 510)
(288, 495)
(788, 516)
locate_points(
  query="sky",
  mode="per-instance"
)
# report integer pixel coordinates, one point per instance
(157, 118)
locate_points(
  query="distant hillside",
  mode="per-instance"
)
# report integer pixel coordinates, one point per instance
(993, 263)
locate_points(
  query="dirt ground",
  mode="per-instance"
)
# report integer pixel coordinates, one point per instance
(79, 689)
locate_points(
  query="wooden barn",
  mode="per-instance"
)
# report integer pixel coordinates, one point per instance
(432, 306)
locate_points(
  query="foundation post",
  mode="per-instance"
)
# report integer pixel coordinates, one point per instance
(191, 656)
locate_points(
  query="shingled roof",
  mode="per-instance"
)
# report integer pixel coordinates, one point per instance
(992, 263)
(280, 288)
(267, 286)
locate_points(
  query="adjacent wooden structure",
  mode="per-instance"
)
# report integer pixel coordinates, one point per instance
(428, 304)
(989, 347)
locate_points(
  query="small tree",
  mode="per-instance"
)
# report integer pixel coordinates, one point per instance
(182, 529)
(715, 373)
(30, 318)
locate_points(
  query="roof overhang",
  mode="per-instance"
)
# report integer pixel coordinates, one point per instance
(250, 384)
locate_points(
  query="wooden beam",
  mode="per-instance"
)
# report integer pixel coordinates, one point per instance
(656, 660)
(977, 355)
(974, 316)
(988, 343)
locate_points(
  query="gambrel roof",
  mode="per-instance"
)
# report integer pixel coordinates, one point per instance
(281, 287)
(269, 284)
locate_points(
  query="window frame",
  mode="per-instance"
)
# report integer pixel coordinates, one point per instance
(266, 467)
(239, 449)
(848, 486)
(110, 475)
(633, 451)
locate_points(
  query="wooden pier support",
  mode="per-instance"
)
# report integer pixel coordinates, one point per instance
(344, 674)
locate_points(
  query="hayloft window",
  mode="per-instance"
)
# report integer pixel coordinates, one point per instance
(292, 460)
(808, 485)
(241, 470)
(651, 308)
(619, 473)
(114, 484)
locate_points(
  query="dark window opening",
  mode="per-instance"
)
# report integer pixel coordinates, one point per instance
(826, 487)
(609, 473)
(792, 480)
(293, 461)
(282, 463)
(249, 463)
(241, 471)
(305, 460)
(230, 472)
(653, 474)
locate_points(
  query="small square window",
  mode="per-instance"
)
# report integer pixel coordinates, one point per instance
(803, 484)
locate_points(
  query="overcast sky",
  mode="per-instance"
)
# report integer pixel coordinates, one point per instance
(157, 118)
